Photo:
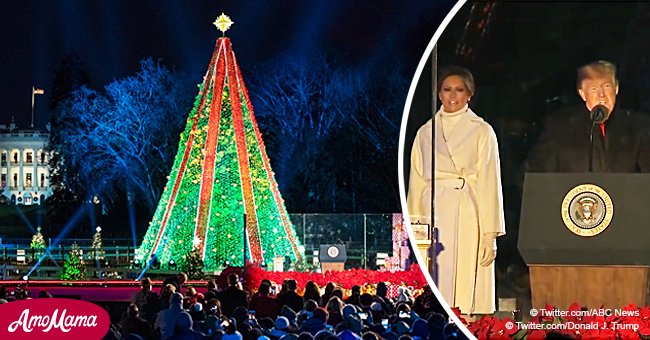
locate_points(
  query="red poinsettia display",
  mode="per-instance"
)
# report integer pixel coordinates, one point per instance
(345, 279)
(629, 322)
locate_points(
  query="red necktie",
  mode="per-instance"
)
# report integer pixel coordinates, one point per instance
(602, 129)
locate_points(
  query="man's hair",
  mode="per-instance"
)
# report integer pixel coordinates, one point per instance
(596, 68)
(233, 279)
(145, 282)
(292, 284)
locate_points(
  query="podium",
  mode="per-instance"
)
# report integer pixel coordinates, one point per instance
(332, 257)
(585, 239)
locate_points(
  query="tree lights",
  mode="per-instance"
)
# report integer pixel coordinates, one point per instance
(221, 175)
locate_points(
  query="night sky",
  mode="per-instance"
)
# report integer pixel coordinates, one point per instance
(111, 37)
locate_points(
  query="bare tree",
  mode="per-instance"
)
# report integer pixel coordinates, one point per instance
(123, 138)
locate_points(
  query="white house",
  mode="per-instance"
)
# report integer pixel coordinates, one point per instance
(24, 168)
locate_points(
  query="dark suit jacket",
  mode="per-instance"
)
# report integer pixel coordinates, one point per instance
(563, 145)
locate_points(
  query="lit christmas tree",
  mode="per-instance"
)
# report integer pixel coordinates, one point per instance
(193, 265)
(221, 173)
(38, 244)
(74, 268)
(97, 245)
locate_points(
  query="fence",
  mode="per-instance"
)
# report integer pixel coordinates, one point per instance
(364, 235)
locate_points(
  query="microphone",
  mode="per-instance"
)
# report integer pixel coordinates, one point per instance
(598, 115)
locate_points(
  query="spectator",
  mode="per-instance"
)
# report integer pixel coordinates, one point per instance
(263, 304)
(213, 317)
(177, 280)
(420, 330)
(165, 294)
(316, 323)
(308, 311)
(233, 296)
(212, 292)
(192, 296)
(290, 315)
(146, 300)
(167, 319)
(354, 297)
(280, 327)
(183, 329)
(134, 324)
(290, 297)
(334, 309)
(329, 288)
(230, 330)
(404, 295)
(312, 292)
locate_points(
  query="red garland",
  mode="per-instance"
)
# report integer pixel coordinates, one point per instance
(210, 148)
(186, 154)
(286, 224)
(254, 240)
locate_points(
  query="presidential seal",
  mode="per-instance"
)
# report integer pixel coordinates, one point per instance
(587, 210)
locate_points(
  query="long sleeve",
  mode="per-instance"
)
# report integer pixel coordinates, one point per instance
(488, 190)
(418, 200)
(543, 157)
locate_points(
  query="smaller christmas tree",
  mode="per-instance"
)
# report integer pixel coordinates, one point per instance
(38, 244)
(97, 246)
(193, 265)
(74, 268)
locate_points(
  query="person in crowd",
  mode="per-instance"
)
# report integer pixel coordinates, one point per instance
(468, 196)
(263, 304)
(329, 288)
(192, 297)
(134, 324)
(312, 292)
(355, 293)
(167, 319)
(316, 323)
(211, 292)
(233, 296)
(146, 300)
(334, 310)
(177, 280)
(290, 297)
(165, 294)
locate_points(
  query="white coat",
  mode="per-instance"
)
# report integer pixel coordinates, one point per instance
(468, 205)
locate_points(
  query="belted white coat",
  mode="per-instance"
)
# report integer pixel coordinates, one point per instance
(468, 205)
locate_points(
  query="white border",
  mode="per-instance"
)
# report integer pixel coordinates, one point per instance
(400, 162)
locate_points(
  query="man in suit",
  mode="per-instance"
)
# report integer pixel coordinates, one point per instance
(621, 143)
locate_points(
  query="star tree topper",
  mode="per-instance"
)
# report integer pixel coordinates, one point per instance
(223, 23)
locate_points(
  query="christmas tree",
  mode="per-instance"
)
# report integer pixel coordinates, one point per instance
(221, 182)
(193, 265)
(74, 268)
(38, 244)
(97, 245)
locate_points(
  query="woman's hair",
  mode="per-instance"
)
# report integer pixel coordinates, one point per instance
(334, 305)
(312, 291)
(463, 73)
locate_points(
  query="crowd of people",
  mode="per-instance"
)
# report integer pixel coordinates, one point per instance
(284, 312)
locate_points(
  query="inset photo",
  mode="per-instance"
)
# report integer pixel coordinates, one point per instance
(525, 148)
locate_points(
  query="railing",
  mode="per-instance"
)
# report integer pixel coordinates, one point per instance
(364, 235)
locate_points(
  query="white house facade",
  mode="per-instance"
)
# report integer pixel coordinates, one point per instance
(24, 166)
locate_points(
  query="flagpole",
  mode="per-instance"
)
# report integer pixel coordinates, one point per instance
(32, 107)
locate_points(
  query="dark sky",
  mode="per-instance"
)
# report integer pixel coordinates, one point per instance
(111, 37)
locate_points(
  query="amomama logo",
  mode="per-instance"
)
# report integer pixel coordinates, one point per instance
(52, 319)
